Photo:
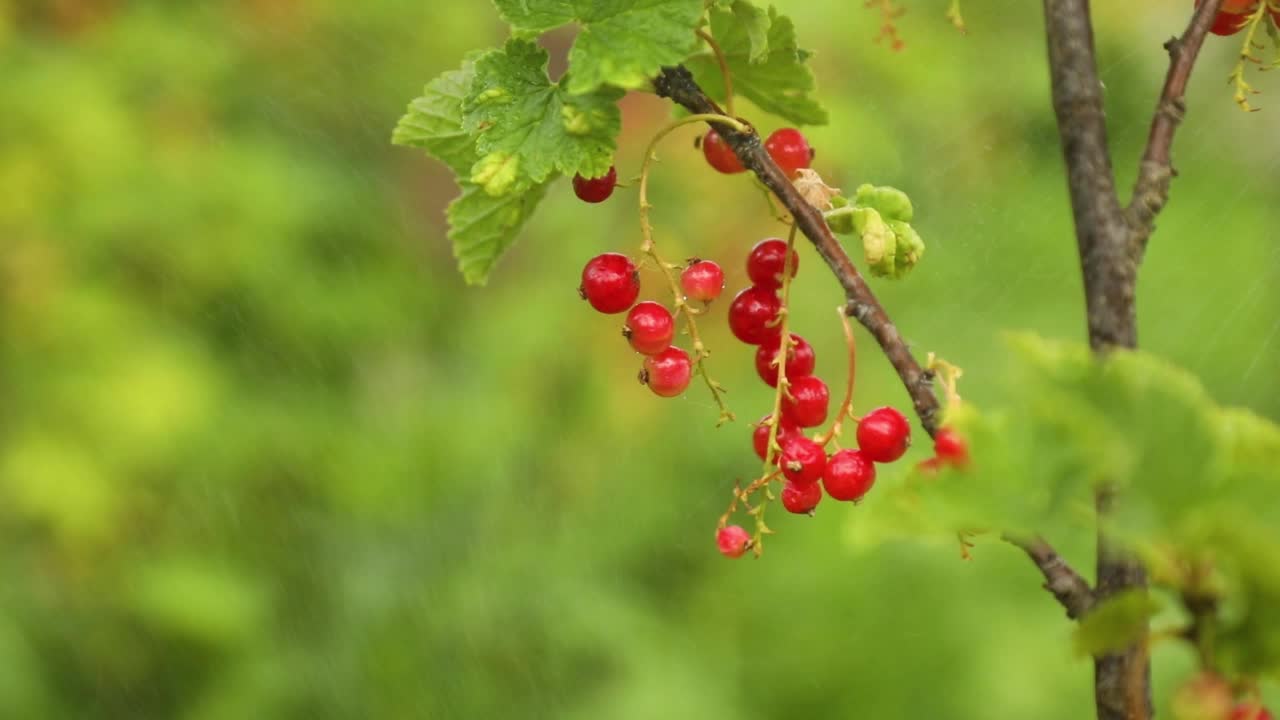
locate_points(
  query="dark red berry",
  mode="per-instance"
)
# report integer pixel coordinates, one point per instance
(950, 448)
(884, 434)
(719, 155)
(800, 360)
(650, 328)
(789, 149)
(753, 315)
(801, 499)
(764, 264)
(849, 475)
(594, 190)
(733, 541)
(1251, 711)
(610, 283)
(807, 404)
(667, 373)
(803, 460)
(703, 280)
(760, 436)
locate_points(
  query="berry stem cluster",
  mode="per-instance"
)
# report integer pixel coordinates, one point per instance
(649, 248)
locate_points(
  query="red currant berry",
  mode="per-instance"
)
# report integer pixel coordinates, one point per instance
(849, 475)
(610, 283)
(800, 360)
(1251, 711)
(950, 448)
(650, 328)
(753, 315)
(719, 155)
(733, 541)
(803, 460)
(801, 499)
(594, 190)
(764, 264)
(789, 150)
(1232, 16)
(884, 434)
(760, 436)
(702, 280)
(806, 406)
(667, 373)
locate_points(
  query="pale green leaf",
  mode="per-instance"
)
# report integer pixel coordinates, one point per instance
(756, 23)
(433, 121)
(781, 83)
(482, 226)
(1114, 624)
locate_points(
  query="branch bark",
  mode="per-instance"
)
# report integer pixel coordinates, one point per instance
(1071, 590)
(677, 83)
(1111, 242)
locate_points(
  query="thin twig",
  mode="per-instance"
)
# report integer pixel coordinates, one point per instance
(1071, 590)
(723, 62)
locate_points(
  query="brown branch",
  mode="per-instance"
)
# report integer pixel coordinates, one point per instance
(1155, 173)
(1071, 590)
(678, 84)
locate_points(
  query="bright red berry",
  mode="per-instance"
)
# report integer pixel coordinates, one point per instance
(801, 499)
(803, 460)
(764, 264)
(610, 283)
(849, 475)
(594, 190)
(950, 448)
(650, 328)
(753, 315)
(733, 541)
(800, 360)
(702, 280)
(760, 436)
(884, 434)
(1232, 16)
(719, 155)
(807, 404)
(1251, 711)
(789, 149)
(667, 373)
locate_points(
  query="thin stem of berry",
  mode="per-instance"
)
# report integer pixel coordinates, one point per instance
(724, 68)
(772, 449)
(1243, 88)
(647, 247)
(744, 495)
(846, 405)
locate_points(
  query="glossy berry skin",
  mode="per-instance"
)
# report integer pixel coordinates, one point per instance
(650, 328)
(753, 315)
(764, 263)
(1251, 711)
(719, 155)
(849, 475)
(703, 280)
(801, 499)
(595, 190)
(733, 541)
(808, 403)
(610, 283)
(667, 373)
(950, 448)
(1232, 16)
(884, 434)
(789, 149)
(803, 460)
(800, 360)
(760, 436)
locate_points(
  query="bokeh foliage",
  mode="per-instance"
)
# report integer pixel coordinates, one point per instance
(263, 455)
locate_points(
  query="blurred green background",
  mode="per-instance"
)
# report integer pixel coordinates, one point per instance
(262, 454)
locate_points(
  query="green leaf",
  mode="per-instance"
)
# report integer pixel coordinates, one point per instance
(890, 202)
(528, 128)
(622, 43)
(482, 226)
(433, 122)
(1114, 624)
(780, 83)
(756, 22)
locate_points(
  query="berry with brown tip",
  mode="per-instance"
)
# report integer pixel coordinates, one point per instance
(884, 434)
(849, 475)
(733, 541)
(650, 328)
(610, 283)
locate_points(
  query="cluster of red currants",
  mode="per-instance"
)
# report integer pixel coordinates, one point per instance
(1233, 15)
(611, 283)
